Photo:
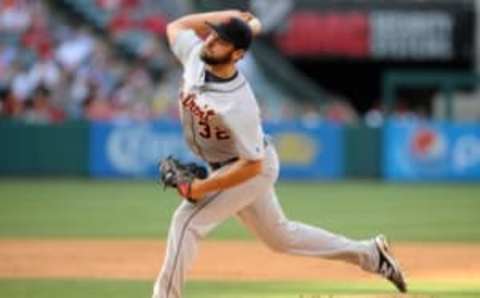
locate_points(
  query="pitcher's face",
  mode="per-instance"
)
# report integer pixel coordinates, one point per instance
(217, 51)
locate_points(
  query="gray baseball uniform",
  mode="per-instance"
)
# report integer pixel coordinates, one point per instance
(221, 121)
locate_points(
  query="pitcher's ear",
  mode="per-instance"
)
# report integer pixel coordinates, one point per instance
(238, 54)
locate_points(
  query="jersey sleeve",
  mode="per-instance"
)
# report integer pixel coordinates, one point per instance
(184, 44)
(245, 126)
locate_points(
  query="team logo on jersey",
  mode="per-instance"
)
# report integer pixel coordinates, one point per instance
(189, 103)
(205, 128)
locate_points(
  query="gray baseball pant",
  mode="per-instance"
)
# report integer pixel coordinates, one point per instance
(255, 203)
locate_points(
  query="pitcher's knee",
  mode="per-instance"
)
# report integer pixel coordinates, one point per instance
(181, 216)
(195, 226)
(280, 239)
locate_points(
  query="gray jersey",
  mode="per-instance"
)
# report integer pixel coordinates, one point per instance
(220, 120)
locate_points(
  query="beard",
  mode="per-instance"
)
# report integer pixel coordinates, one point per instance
(213, 60)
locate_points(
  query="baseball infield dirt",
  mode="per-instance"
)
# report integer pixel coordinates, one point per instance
(221, 260)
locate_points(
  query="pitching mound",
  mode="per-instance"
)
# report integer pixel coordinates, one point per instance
(220, 260)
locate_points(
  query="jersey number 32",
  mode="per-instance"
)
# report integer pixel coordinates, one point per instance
(206, 131)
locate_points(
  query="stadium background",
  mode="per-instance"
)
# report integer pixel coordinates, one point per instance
(373, 106)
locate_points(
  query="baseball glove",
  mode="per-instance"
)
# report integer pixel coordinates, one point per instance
(176, 174)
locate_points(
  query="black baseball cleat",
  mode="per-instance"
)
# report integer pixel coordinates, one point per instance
(388, 267)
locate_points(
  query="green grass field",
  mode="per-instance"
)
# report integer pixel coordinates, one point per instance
(71, 208)
(206, 289)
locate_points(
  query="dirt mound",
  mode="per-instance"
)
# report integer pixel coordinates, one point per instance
(221, 260)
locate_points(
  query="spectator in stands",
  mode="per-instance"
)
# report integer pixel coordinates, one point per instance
(8, 55)
(75, 49)
(23, 83)
(10, 106)
(340, 111)
(97, 107)
(14, 16)
(47, 64)
(37, 37)
(113, 5)
(39, 110)
(310, 115)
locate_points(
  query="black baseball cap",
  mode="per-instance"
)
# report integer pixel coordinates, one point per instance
(235, 31)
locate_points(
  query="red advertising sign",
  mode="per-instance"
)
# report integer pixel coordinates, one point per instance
(340, 34)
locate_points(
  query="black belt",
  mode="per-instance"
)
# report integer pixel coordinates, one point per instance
(217, 165)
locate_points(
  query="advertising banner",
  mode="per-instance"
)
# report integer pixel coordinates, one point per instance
(308, 152)
(133, 150)
(431, 151)
(401, 31)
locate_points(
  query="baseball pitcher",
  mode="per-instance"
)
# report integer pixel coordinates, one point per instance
(222, 126)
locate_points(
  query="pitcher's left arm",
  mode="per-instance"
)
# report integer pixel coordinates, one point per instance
(239, 172)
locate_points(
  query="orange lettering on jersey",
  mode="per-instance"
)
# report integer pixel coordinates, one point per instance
(188, 101)
(203, 115)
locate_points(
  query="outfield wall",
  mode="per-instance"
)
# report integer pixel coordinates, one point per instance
(133, 150)
(44, 149)
(401, 151)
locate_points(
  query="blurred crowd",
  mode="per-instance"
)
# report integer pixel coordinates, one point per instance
(51, 70)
